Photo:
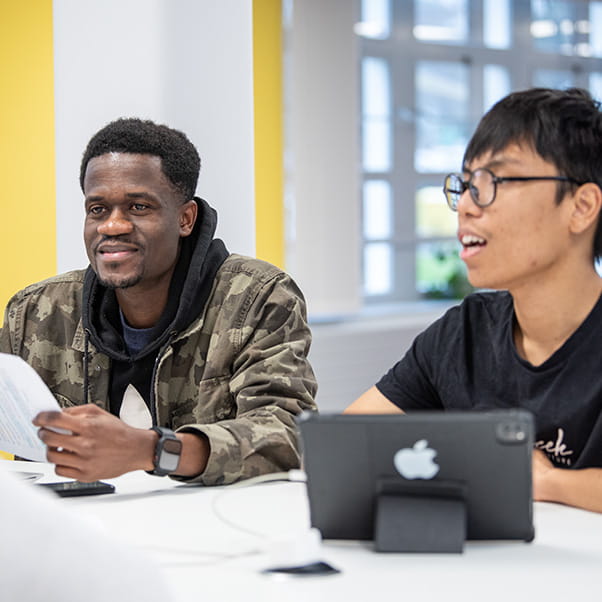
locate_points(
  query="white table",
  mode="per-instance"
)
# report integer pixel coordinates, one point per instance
(200, 537)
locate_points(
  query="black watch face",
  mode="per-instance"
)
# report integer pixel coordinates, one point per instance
(172, 446)
(170, 455)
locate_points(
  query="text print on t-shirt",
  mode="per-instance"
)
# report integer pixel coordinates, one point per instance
(557, 450)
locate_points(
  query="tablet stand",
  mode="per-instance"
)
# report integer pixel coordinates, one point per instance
(420, 516)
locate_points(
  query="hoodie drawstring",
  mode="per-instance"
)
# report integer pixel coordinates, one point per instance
(86, 357)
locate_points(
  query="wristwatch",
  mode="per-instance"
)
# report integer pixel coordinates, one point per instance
(167, 452)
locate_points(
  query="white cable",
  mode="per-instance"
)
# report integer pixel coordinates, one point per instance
(292, 550)
(295, 476)
(214, 558)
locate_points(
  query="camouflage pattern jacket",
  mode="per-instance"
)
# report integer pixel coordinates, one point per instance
(239, 373)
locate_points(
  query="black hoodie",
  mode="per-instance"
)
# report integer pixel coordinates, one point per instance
(200, 258)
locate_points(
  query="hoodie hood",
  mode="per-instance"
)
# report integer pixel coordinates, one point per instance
(200, 257)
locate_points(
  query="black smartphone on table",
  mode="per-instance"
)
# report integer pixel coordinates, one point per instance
(75, 488)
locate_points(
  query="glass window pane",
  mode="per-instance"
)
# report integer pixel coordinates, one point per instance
(552, 78)
(378, 268)
(375, 21)
(376, 109)
(376, 145)
(433, 216)
(560, 27)
(441, 21)
(376, 88)
(440, 273)
(497, 24)
(595, 27)
(377, 210)
(595, 85)
(496, 85)
(442, 120)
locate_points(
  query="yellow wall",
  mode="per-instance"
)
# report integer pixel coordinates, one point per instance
(269, 187)
(27, 172)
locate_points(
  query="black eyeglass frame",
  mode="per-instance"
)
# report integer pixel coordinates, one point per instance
(495, 180)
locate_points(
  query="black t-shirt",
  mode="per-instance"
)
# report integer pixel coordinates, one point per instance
(467, 360)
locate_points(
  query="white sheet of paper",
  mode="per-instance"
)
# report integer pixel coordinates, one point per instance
(23, 395)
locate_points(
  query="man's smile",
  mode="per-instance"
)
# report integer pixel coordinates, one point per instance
(115, 251)
(472, 244)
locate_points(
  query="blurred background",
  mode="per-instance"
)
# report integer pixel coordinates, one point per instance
(325, 129)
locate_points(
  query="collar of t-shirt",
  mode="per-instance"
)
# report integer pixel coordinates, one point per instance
(136, 339)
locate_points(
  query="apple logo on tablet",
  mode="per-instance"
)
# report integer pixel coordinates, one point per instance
(416, 462)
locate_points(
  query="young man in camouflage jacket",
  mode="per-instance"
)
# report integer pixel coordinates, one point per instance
(165, 331)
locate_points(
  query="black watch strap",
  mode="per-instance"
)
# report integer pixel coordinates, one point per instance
(167, 452)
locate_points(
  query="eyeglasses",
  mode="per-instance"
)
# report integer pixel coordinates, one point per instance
(482, 185)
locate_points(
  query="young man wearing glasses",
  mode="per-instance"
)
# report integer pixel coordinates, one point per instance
(528, 203)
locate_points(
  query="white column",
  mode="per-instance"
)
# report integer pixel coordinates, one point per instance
(188, 64)
(323, 142)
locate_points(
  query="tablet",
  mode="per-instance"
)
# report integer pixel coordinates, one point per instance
(420, 482)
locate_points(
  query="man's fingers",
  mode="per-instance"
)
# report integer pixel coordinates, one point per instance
(64, 459)
(70, 472)
(55, 440)
(59, 422)
(45, 418)
(68, 465)
(68, 462)
(59, 430)
(86, 410)
(67, 422)
(51, 438)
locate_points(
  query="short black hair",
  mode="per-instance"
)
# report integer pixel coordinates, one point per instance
(563, 126)
(180, 161)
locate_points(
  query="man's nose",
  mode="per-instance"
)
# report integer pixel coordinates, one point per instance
(466, 203)
(116, 223)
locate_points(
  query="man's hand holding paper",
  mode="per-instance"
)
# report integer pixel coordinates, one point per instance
(23, 395)
(99, 445)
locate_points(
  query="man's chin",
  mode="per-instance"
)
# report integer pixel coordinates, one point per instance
(115, 282)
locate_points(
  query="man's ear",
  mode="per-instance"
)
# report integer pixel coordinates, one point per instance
(587, 204)
(188, 215)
